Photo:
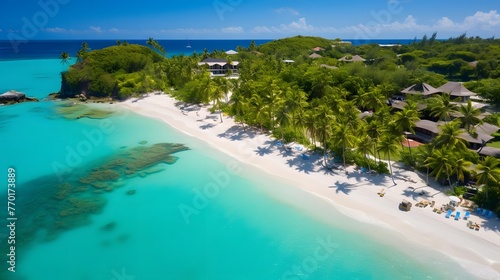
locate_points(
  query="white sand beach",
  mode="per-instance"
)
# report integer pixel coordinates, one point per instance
(354, 194)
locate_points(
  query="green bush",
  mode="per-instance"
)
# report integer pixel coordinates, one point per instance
(381, 168)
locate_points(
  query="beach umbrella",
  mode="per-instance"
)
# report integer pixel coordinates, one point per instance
(454, 199)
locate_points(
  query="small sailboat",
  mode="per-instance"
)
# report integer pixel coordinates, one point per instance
(188, 45)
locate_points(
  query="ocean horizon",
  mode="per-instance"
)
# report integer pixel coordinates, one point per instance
(46, 49)
(164, 221)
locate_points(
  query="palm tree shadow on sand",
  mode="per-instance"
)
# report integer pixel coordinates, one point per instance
(207, 126)
(262, 151)
(236, 133)
(342, 187)
(301, 165)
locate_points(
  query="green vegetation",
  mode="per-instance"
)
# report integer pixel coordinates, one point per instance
(116, 72)
(293, 47)
(318, 102)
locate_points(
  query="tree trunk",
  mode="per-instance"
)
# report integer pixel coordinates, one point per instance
(220, 111)
(409, 149)
(390, 168)
(368, 163)
(343, 157)
(427, 176)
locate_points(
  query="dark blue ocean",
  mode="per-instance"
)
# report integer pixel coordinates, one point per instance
(47, 49)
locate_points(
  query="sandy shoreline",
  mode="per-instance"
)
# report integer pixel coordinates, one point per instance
(354, 195)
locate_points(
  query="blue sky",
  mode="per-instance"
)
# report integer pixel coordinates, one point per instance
(245, 19)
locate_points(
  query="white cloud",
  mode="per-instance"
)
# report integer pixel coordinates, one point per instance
(189, 31)
(287, 10)
(55, 30)
(474, 24)
(445, 24)
(261, 29)
(300, 25)
(97, 29)
(483, 20)
(232, 29)
(114, 30)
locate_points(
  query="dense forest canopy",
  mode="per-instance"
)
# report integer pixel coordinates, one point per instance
(117, 72)
(319, 100)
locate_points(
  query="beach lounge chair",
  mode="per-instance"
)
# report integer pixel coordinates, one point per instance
(448, 214)
(484, 212)
(470, 224)
(304, 156)
(457, 216)
(490, 214)
(467, 215)
(478, 210)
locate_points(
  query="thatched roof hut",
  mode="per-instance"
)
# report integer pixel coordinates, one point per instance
(420, 89)
(456, 89)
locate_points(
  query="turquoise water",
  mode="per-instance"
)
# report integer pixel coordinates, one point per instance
(194, 219)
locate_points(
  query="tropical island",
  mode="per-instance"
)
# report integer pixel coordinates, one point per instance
(430, 105)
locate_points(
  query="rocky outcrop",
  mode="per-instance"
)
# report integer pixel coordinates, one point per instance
(13, 96)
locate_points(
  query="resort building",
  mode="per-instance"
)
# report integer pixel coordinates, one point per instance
(354, 58)
(220, 66)
(456, 90)
(315, 55)
(231, 52)
(426, 130)
(421, 89)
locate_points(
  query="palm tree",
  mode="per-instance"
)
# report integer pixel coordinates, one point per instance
(283, 119)
(64, 58)
(424, 153)
(441, 163)
(343, 133)
(155, 45)
(310, 125)
(273, 99)
(405, 120)
(442, 107)
(85, 47)
(324, 119)
(221, 88)
(373, 99)
(397, 134)
(257, 108)
(295, 100)
(374, 131)
(488, 173)
(388, 145)
(82, 53)
(365, 147)
(449, 137)
(461, 167)
(469, 115)
(239, 106)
